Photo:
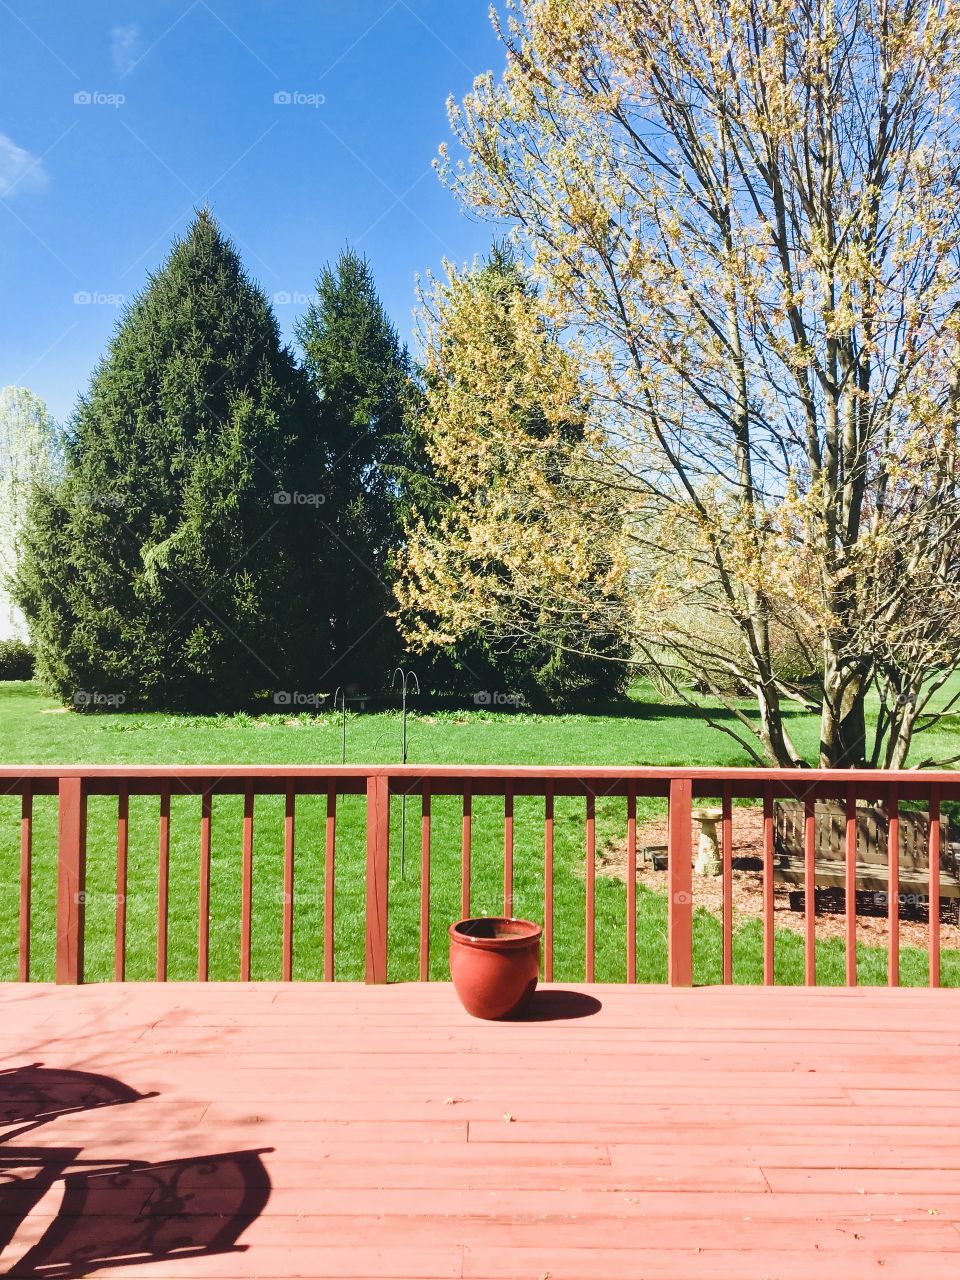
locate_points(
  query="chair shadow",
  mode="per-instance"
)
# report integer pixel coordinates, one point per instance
(33, 1095)
(114, 1212)
(557, 1006)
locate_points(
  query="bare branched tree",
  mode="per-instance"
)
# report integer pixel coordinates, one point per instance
(746, 213)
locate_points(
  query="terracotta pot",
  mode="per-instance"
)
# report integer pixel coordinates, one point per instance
(494, 964)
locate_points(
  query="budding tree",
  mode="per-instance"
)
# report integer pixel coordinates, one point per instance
(508, 535)
(747, 214)
(29, 456)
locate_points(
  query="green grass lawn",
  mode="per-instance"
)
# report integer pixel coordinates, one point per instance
(646, 732)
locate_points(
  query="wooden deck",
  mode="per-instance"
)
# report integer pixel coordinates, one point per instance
(343, 1131)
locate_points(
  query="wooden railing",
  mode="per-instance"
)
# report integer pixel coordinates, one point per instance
(73, 787)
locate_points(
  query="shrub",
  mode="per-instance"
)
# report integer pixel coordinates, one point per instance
(16, 660)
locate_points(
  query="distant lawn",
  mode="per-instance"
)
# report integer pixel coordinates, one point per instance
(32, 730)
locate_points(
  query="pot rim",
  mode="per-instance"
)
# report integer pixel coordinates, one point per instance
(532, 933)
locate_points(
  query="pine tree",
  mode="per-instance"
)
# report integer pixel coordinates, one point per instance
(361, 377)
(169, 564)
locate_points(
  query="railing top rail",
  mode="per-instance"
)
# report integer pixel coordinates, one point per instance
(640, 773)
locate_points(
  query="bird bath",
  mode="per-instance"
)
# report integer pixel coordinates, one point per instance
(707, 861)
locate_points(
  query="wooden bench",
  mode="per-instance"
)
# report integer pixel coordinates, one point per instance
(871, 868)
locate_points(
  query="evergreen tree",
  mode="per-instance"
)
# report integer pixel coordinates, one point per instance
(169, 564)
(361, 377)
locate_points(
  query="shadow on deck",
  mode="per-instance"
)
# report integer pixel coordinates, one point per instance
(112, 1213)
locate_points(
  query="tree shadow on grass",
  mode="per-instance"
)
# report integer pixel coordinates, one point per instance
(616, 709)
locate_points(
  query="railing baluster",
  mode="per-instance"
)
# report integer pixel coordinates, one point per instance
(289, 830)
(508, 849)
(680, 871)
(769, 971)
(893, 889)
(163, 881)
(933, 896)
(591, 927)
(120, 928)
(378, 877)
(726, 862)
(465, 852)
(71, 878)
(328, 881)
(810, 889)
(632, 883)
(548, 882)
(850, 887)
(203, 953)
(26, 869)
(246, 888)
(425, 884)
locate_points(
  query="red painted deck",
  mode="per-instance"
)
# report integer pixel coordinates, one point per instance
(725, 1133)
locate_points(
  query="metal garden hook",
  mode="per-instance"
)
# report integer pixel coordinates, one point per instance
(408, 684)
(343, 720)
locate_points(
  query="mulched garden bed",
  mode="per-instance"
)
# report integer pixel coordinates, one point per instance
(748, 889)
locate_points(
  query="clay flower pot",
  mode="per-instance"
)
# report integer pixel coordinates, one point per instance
(494, 964)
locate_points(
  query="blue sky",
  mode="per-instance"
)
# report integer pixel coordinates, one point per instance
(116, 120)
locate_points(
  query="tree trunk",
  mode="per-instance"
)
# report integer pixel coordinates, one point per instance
(843, 722)
(773, 734)
(901, 735)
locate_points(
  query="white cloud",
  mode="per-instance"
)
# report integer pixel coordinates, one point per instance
(125, 47)
(19, 170)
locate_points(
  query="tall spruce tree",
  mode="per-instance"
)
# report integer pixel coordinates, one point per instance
(361, 377)
(169, 563)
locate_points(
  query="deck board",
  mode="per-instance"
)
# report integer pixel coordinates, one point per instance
(354, 1132)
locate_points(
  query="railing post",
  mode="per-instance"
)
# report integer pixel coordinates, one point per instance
(26, 875)
(810, 889)
(680, 904)
(329, 881)
(378, 869)
(933, 892)
(893, 886)
(163, 881)
(850, 886)
(548, 882)
(71, 879)
(203, 951)
(769, 955)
